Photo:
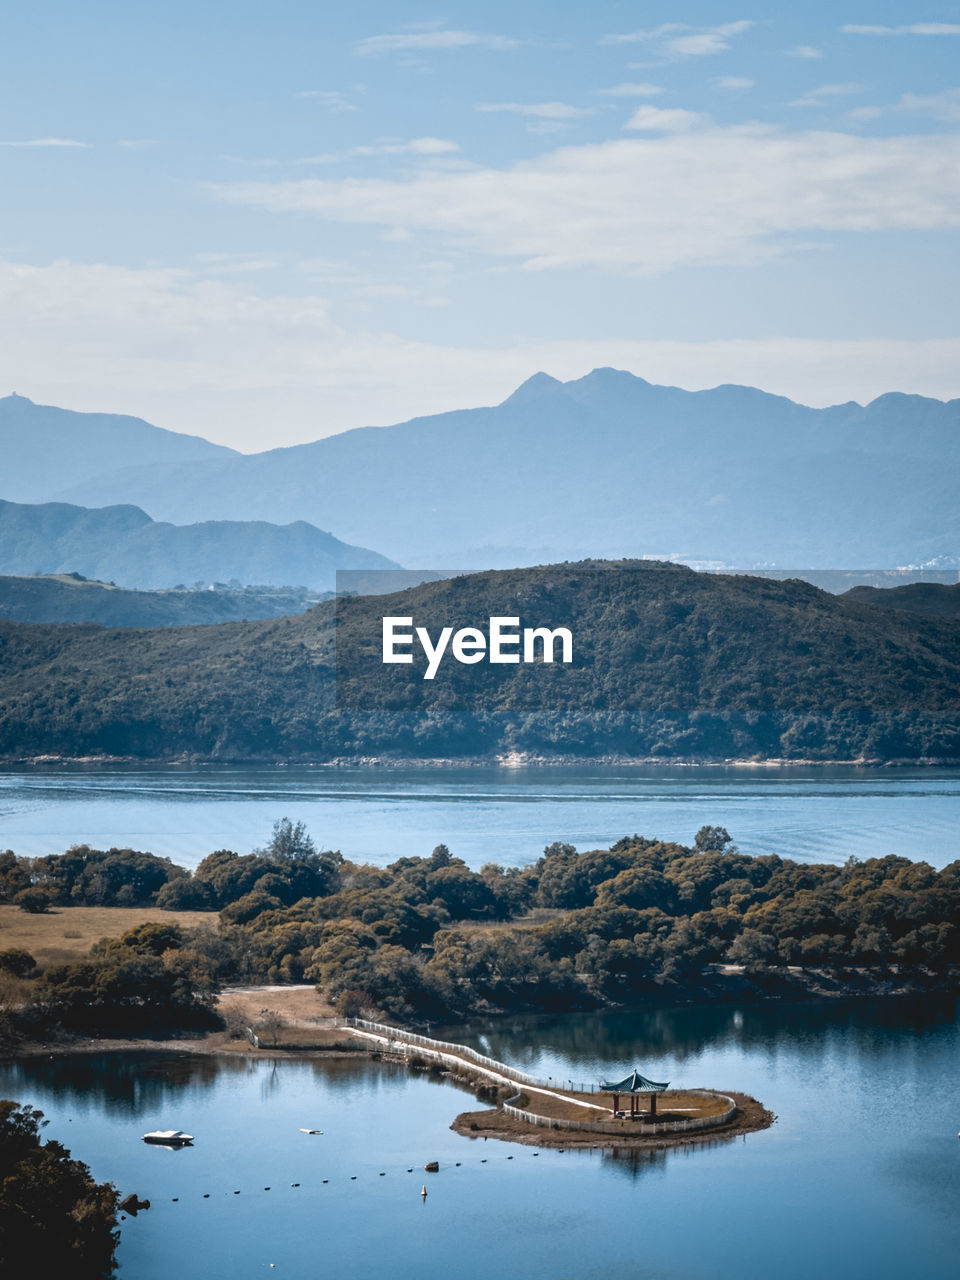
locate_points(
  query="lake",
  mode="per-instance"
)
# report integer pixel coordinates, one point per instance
(859, 1177)
(504, 815)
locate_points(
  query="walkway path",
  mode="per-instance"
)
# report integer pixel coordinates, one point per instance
(475, 1067)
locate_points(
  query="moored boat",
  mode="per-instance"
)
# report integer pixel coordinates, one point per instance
(169, 1137)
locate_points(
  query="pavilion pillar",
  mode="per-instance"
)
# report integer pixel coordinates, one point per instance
(653, 1104)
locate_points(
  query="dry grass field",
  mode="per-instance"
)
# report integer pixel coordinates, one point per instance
(299, 1006)
(304, 1020)
(65, 934)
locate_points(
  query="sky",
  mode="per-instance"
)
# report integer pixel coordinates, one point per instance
(265, 223)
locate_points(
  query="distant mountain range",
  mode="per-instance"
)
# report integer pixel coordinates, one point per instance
(72, 598)
(46, 450)
(607, 465)
(122, 544)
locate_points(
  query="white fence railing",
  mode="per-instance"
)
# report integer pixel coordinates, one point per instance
(643, 1128)
(459, 1050)
(454, 1054)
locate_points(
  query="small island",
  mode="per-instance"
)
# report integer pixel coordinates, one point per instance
(540, 1112)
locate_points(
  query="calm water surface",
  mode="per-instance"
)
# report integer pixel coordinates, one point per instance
(859, 1177)
(483, 814)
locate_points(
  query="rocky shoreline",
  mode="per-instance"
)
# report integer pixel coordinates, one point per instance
(510, 760)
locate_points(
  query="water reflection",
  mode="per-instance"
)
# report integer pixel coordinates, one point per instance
(865, 1147)
(584, 1041)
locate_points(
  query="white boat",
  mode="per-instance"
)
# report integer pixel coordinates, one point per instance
(169, 1137)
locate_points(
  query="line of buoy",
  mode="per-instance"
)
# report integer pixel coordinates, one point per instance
(432, 1166)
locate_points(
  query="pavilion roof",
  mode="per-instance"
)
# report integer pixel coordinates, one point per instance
(633, 1083)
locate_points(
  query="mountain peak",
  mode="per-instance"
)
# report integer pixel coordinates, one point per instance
(533, 388)
(606, 375)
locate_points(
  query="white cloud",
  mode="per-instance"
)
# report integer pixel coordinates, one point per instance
(733, 194)
(332, 99)
(631, 90)
(47, 142)
(645, 35)
(218, 263)
(415, 147)
(943, 106)
(824, 92)
(663, 120)
(203, 356)
(402, 42)
(703, 44)
(734, 82)
(540, 110)
(680, 40)
(804, 51)
(910, 29)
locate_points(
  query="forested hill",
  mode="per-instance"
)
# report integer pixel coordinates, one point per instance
(69, 597)
(934, 598)
(667, 664)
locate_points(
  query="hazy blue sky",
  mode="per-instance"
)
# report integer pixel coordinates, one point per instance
(266, 222)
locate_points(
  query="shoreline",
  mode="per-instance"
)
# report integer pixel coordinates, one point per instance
(510, 760)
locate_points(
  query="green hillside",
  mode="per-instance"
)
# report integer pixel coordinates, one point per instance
(667, 664)
(69, 597)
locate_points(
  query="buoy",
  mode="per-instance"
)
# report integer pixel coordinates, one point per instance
(383, 1175)
(353, 1177)
(206, 1195)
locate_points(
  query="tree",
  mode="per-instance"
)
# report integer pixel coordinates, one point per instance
(752, 949)
(711, 839)
(56, 1221)
(270, 1023)
(290, 842)
(18, 962)
(34, 900)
